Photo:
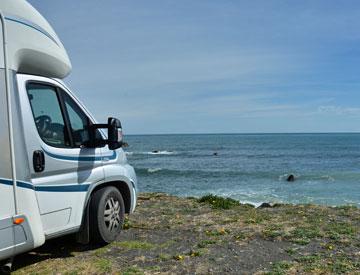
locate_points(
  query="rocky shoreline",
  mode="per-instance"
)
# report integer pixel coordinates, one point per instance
(213, 235)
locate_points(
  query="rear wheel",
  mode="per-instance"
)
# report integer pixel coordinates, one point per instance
(107, 212)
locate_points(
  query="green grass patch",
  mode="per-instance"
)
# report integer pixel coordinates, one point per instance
(300, 241)
(272, 231)
(325, 264)
(242, 236)
(164, 257)
(341, 228)
(309, 259)
(103, 265)
(219, 202)
(205, 243)
(133, 271)
(219, 232)
(304, 235)
(291, 251)
(101, 251)
(306, 232)
(127, 224)
(197, 253)
(280, 268)
(254, 216)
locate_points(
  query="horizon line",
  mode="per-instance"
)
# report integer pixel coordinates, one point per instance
(245, 133)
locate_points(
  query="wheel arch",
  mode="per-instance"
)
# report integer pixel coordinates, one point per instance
(123, 188)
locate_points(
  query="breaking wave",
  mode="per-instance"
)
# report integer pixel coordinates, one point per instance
(154, 170)
(155, 152)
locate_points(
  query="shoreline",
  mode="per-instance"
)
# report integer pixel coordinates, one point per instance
(259, 204)
(213, 235)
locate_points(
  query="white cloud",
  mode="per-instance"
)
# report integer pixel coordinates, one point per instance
(338, 110)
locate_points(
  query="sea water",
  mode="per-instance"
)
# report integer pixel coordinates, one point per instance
(251, 168)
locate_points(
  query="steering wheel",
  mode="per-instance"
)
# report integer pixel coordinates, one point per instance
(42, 123)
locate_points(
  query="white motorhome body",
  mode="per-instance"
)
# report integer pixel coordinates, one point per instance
(58, 171)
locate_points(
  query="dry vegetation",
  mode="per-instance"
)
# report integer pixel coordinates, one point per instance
(170, 235)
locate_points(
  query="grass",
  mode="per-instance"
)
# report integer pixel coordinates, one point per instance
(164, 257)
(255, 216)
(280, 268)
(218, 232)
(205, 243)
(101, 251)
(104, 265)
(127, 223)
(304, 234)
(197, 253)
(272, 231)
(341, 228)
(326, 264)
(135, 245)
(133, 271)
(219, 202)
(291, 251)
(302, 239)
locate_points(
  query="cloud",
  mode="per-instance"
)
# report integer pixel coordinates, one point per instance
(182, 66)
(339, 110)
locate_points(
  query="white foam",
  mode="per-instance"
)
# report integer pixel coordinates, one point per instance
(328, 178)
(154, 170)
(160, 153)
(255, 204)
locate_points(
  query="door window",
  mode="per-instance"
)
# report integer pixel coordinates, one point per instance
(79, 122)
(47, 114)
(80, 125)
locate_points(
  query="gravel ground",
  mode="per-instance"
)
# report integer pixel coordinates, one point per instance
(171, 235)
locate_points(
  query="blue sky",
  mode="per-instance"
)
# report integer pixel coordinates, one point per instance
(214, 66)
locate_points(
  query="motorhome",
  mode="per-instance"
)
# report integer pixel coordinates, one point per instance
(60, 171)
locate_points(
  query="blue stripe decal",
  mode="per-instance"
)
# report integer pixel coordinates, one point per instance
(48, 188)
(63, 188)
(80, 158)
(6, 182)
(26, 185)
(30, 25)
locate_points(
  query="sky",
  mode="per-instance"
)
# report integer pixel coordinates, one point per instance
(209, 66)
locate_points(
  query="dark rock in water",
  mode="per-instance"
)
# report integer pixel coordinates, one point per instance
(265, 205)
(156, 151)
(215, 154)
(270, 205)
(290, 178)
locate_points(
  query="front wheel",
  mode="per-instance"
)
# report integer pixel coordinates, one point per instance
(107, 213)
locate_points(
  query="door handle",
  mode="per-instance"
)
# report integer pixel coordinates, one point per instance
(39, 161)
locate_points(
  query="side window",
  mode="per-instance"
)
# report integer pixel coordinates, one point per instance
(79, 122)
(47, 114)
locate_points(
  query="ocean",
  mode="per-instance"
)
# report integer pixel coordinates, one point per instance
(252, 168)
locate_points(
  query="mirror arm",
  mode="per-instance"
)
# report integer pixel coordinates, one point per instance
(92, 131)
(93, 127)
(100, 126)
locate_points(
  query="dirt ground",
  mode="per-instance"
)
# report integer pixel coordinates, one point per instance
(171, 235)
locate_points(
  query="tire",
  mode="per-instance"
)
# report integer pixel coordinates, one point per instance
(107, 213)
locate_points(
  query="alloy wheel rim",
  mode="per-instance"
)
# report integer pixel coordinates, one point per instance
(112, 214)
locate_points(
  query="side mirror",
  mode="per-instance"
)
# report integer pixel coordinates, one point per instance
(115, 136)
(114, 133)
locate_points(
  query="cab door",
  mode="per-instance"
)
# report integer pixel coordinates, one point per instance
(63, 167)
